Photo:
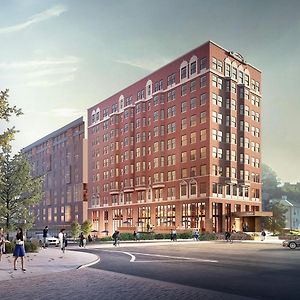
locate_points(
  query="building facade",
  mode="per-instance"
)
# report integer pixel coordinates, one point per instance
(180, 148)
(61, 157)
(292, 215)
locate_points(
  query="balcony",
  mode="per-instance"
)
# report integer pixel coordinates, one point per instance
(128, 189)
(158, 185)
(140, 187)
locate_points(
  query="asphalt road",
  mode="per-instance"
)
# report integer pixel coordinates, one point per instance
(261, 271)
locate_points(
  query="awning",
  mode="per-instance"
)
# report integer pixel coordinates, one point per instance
(252, 214)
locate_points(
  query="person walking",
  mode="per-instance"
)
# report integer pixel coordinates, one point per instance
(174, 233)
(196, 235)
(62, 240)
(19, 249)
(2, 243)
(115, 238)
(134, 235)
(45, 234)
(81, 238)
(228, 237)
(263, 235)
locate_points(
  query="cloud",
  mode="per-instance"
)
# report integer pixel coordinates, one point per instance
(39, 63)
(55, 11)
(50, 82)
(63, 112)
(143, 64)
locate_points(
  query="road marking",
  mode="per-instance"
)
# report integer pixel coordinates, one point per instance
(89, 264)
(177, 257)
(127, 253)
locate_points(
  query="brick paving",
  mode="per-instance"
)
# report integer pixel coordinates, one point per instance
(95, 284)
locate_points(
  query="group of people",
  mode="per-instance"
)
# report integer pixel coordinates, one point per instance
(82, 240)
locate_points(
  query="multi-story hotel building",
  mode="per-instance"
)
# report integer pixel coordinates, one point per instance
(179, 148)
(61, 157)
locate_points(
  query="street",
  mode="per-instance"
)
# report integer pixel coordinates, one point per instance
(262, 271)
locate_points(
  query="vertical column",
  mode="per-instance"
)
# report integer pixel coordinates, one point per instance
(208, 216)
(178, 215)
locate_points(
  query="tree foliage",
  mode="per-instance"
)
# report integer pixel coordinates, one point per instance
(18, 191)
(6, 111)
(277, 222)
(75, 229)
(86, 227)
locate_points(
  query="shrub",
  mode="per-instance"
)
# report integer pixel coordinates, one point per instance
(184, 235)
(29, 246)
(207, 236)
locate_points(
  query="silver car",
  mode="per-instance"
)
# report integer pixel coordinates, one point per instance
(292, 244)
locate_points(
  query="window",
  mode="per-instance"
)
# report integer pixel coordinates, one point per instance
(246, 79)
(234, 73)
(193, 155)
(241, 77)
(220, 83)
(183, 73)
(193, 138)
(183, 106)
(203, 117)
(171, 112)
(203, 135)
(171, 79)
(183, 123)
(193, 189)
(214, 63)
(193, 68)
(220, 66)
(227, 70)
(203, 152)
(193, 121)
(203, 81)
(214, 80)
(184, 140)
(203, 63)
(193, 103)
(184, 173)
(193, 86)
(183, 157)
(203, 99)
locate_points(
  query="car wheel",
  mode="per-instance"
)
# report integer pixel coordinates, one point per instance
(292, 245)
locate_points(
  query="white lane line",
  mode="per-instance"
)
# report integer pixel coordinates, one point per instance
(89, 264)
(177, 257)
(127, 253)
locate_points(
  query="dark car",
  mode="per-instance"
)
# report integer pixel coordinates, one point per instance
(292, 244)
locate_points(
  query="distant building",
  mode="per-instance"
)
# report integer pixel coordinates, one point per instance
(180, 148)
(61, 158)
(292, 216)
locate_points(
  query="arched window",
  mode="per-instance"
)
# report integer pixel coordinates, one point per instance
(193, 66)
(149, 89)
(193, 188)
(93, 117)
(183, 189)
(121, 103)
(184, 72)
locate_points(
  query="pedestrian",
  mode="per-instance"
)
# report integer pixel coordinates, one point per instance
(196, 235)
(90, 238)
(115, 237)
(134, 235)
(171, 235)
(148, 227)
(233, 228)
(62, 240)
(138, 236)
(2, 242)
(228, 237)
(45, 234)
(174, 233)
(19, 249)
(263, 235)
(81, 238)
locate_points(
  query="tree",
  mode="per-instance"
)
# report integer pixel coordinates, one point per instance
(75, 229)
(18, 191)
(6, 111)
(87, 227)
(270, 186)
(277, 222)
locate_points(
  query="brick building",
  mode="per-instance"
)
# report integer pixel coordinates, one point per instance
(179, 148)
(61, 157)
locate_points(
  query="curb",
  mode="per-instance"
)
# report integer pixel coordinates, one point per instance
(89, 264)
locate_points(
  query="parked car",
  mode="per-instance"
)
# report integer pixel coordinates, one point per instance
(50, 240)
(292, 244)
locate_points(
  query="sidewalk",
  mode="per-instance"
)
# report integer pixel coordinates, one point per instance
(46, 261)
(98, 245)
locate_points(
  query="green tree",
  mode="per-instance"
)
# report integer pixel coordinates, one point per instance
(6, 111)
(277, 222)
(270, 186)
(86, 227)
(18, 191)
(75, 229)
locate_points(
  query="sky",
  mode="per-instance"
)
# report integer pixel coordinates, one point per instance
(59, 58)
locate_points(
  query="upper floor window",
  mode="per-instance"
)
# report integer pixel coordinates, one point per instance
(193, 68)
(171, 79)
(183, 72)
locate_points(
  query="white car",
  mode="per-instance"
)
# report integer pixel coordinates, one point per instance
(50, 240)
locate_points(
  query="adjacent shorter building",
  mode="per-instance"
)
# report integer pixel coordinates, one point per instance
(61, 157)
(180, 148)
(292, 215)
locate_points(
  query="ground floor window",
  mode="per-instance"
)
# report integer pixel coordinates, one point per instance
(165, 215)
(217, 217)
(144, 217)
(193, 215)
(117, 218)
